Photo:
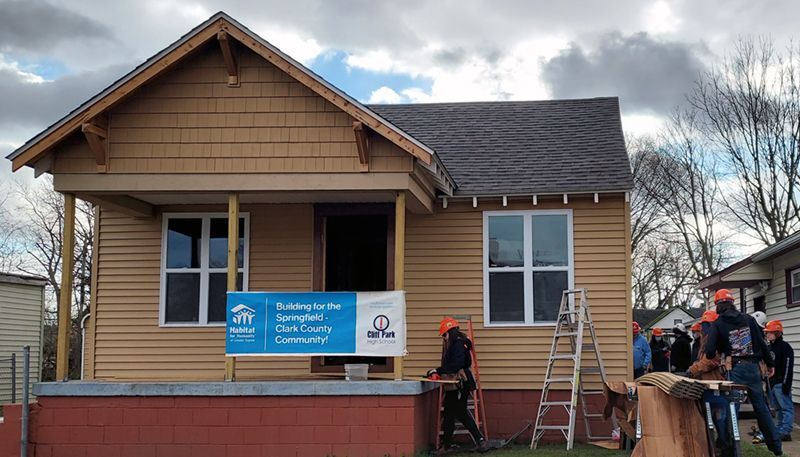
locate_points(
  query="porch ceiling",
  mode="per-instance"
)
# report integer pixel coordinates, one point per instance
(193, 198)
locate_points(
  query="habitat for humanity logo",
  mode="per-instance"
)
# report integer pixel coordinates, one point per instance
(243, 315)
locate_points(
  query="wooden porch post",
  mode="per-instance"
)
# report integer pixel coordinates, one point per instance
(399, 260)
(233, 266)
(65, 296)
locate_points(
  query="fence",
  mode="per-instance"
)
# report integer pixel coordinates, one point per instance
(8, 379)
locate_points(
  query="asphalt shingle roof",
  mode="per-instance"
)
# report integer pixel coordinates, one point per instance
(526, 147)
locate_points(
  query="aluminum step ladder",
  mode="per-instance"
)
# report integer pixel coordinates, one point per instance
(571, 324)
(475, 402)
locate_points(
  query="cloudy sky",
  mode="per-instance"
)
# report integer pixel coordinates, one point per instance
(56, 54)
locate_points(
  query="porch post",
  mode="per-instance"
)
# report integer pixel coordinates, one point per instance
(65, 296)
(399, 260)
(233, 265)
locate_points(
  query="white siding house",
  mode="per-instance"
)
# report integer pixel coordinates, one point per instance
(21, 313)
(768, 281)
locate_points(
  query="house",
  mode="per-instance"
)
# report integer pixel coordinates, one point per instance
(21, 324)
(486, 209)
(666, 319)
(767, 281)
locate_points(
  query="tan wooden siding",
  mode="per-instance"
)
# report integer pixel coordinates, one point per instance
(190, 121)
(21, 310)
(443, 276)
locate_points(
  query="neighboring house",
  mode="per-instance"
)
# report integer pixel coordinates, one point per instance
(495, 208)
(768, 281)
(21, 318)
(666, 319)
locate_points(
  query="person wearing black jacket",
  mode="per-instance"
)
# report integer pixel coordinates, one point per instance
(660, 350)
(457, 363)
(681, 353)
(780, 383)
(737, 336)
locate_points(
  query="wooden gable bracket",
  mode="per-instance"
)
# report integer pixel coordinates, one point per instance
(362, 143)
(230, 58)
(96, 132)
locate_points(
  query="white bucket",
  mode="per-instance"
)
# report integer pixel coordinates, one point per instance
(356, 371)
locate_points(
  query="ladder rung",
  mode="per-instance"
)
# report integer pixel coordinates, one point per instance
(598, 438)
(593, 392)
(588, 346)
(563, 357)
(555, 380)
(567, 334)
(556, 403)
(594, 416)
(553, 427)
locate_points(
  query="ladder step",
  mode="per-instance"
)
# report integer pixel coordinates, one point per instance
(566, 334)
(553, 427)
(556, 403)
(556, 380)
(563, 357)
(588, 346)
(594, 416)
(593, 392)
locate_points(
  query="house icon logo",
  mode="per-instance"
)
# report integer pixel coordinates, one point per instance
(243, 315)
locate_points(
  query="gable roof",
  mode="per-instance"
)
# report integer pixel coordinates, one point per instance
(164, 60)
(523, 147)
(647, 317)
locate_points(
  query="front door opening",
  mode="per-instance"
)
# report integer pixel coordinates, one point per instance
(356, 256)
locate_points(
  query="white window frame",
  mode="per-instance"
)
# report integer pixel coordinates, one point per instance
(528, 267)
(204, 270)
(792, 285)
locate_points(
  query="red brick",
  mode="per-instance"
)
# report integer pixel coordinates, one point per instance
(381, 449)
(102, 402)
(260, 435)
(85, 435)
(331, 434)
(208, 450)
(231, 402)
(174, 416)
(105, 450)
(295, 434)
(156, 434)
(364, 401)
(349, 416)
(70, 416)
(157, 402)
(405, 450)
(404, 416)
(190, 434)
(46, 416)
(278, 416)
(245, 416)
(120, 434)
(350, 450)
(225, 435)
(191, 402)
(138, 450)
(105, 416)
(331, 401)
(236, 450)
(173, 450)
(314, 416)
(210, 416)
(313, 450)
(139, 416)
(69, 450)
(263, 402)
(381, 416)
(511, 396)
(366, 434)
(296, 402)
(53, 435)
(278, 450)
(42, 450)
(402, 401)
(398, 434)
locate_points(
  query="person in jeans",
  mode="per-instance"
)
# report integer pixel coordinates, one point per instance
(641, 352)
(780, 383)
(738, 337)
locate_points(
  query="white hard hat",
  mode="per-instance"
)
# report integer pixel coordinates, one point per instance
(680, 328)
(761, 318)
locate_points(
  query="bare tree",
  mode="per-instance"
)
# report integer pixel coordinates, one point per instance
(750, 110)
(10, 248)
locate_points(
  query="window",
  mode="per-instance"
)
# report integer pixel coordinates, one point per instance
(527, 258)
(793, 286)
(677, 321)
(194, 267)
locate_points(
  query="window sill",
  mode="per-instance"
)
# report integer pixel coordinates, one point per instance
(519, 324)
(191, 325)
(793, 305)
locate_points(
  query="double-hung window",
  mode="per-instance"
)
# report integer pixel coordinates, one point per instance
(527, 258)
(793, 287)
(194, 267)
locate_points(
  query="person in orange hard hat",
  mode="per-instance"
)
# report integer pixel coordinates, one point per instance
(708, 369)
(660, 350)
(738, 337)
(456, 364)
(780, 383)
(697, 332)
(641, 352)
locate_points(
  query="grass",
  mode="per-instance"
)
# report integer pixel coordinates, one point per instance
(584, 450)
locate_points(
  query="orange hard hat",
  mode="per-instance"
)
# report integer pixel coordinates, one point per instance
(697, 327)
(774, 326)
(636, 328)
(709, 316)
(657, 332)
(723, 295)
(446, 324)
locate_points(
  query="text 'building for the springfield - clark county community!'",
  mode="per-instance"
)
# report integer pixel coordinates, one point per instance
(485, 211)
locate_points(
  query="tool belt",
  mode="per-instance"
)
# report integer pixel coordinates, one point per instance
(460, 376)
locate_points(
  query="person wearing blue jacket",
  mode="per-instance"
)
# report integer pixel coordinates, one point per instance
(641, 352)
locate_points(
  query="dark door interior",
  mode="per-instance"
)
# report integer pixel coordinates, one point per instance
(356, 259)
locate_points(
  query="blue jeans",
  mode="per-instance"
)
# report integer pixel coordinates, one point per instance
(748, 374)
(784, 408)
(719, 413)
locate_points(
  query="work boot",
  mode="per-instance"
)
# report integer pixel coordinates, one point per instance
(786, 437)
(481, 447)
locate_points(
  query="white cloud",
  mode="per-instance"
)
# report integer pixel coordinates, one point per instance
(384, 95)
(641, 124)
(660, 18)
(23, 76)
(292, 43)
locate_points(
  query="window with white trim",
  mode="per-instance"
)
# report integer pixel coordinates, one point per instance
(794, 278)
(194, 267)
(527, 258)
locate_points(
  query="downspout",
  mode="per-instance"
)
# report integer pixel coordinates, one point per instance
(83, 343)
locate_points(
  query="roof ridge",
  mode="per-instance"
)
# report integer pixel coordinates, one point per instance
(504, 102)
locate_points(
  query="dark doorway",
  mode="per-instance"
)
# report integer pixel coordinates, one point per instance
(760, 304)
(354, 252)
